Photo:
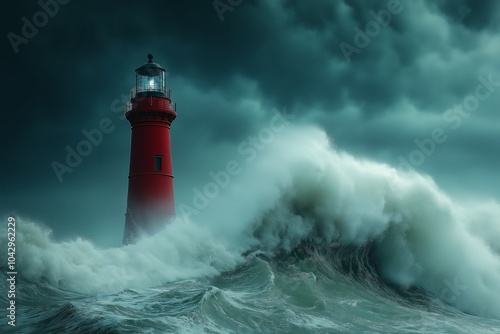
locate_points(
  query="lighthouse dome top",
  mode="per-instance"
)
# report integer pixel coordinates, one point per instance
(150, 79)
(150, 68)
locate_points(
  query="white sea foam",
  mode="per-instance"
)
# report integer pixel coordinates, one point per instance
(298, 187)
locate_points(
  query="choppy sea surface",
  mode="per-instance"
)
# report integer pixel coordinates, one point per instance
(306, 294)
(309, 240)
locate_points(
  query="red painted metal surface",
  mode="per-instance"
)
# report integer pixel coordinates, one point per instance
(150, 202)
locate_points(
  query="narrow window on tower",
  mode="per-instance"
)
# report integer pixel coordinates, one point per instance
(158, 161)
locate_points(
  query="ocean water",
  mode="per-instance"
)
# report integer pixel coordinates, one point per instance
(309, 240)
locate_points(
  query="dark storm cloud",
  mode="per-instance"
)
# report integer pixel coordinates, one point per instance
(226, 77)
(475, 15)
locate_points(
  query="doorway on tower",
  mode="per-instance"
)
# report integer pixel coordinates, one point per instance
(158, 162)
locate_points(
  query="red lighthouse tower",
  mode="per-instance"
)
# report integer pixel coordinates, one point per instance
(150, 202)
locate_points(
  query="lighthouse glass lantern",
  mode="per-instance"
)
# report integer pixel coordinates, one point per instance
(150, 79)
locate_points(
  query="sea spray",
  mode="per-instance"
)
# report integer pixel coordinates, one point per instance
(299, 189)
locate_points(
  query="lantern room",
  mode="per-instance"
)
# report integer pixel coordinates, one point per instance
(150, 79)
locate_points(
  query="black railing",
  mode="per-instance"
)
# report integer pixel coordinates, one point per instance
(129, 106)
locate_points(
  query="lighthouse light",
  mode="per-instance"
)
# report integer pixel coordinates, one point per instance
(150, 79)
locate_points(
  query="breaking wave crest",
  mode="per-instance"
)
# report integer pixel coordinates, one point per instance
(300, 191)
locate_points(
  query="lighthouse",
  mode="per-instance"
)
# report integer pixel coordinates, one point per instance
(150, 200)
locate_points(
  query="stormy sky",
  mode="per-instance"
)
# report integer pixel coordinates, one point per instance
(386, 80)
